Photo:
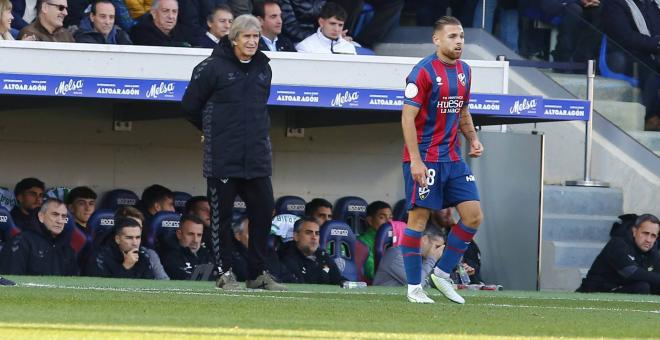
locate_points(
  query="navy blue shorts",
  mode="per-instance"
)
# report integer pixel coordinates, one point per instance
(449, 183)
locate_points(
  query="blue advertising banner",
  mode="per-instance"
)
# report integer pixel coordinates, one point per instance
(509, 106)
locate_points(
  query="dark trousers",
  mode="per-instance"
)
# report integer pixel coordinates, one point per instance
(257, 193)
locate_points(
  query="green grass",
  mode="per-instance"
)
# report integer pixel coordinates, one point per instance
(41, 307)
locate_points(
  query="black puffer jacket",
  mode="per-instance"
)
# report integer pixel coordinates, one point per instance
(227, 100)
(300, 17)
(108, 262)
(37, 252)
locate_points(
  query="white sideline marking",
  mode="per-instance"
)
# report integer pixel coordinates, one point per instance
(247, 293)
(572, 308)
(176, 291)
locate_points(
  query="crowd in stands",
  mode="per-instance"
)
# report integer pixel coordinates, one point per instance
(49, 225)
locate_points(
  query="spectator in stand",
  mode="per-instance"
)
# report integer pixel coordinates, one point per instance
(270, 16)
(29, 193)
(49, 23)
(241, 229)
(219, 22)
(319, 209)
(81, 202)
(184, 250)
(378, 213)
(390, 269)
(635, 25)
(24, 12)
(99, 27)
(300, 18)
(6, 18)
(159, 27)
(629, 263)
(76, 12)
(138, 8)
(577, 40)
(328, 38)
(305, 260)
(44, 251)
(156, 265)
(240, 7)
(386, 15)
(122, 258)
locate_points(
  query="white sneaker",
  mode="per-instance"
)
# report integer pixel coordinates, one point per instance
(446, 287)
(417, 295)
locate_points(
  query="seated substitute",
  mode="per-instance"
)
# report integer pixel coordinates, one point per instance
(123, 258)
(471, 260)
(328, 38)
(49, 23)
(81, 202)
(199, 206)
(45, 251)
(29, 193)
(378, 212)
(319, 209)
(391, 271)
(305, 260)
(184, 251)
(241, 229)
(156, 265)
(628, 263)
(155, 198)
(99, 27)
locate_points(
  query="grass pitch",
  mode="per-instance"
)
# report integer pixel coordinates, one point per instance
(53, 307)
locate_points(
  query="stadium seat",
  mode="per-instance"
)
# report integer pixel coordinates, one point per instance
(384, 240)
(361, 252)
(366, 15)
(293, 205)
(339, 240)
(353, 211)
(162, 224)
(364, 51)
(398, 228)
(14, 33)
(60, 193)
(605, 70)
(400, 212)
(180, 199)
(239, 206)
(101, 224)
(78, 239)
(7, 199)
(7, 227)
(114, 199)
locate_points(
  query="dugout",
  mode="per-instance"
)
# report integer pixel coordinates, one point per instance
(67, 108)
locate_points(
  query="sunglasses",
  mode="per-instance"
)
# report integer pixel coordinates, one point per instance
(60, 8)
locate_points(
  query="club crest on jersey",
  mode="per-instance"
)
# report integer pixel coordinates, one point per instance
(461, 78)
(411, 91)
(423, 192)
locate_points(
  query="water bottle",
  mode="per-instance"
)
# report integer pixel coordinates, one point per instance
(465, 278)
(353, 284)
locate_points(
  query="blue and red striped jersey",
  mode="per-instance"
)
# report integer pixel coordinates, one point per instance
(440, 91)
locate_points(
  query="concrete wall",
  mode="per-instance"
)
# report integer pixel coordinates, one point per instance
(77, 146)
